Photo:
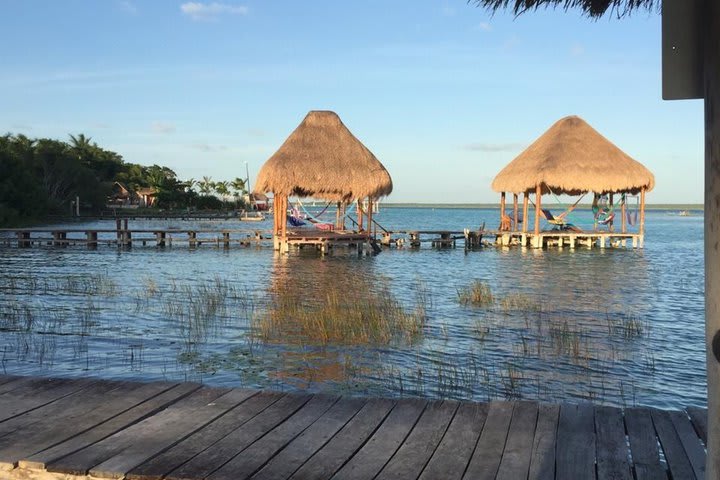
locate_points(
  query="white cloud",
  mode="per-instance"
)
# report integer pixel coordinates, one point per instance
(163, 128)
(128, 7)
(485, 27)
(493, 147)
(211, 11)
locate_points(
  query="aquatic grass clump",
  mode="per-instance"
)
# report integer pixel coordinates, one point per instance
(366, 315)
(627, 326)
(477, 294)
(519, 302)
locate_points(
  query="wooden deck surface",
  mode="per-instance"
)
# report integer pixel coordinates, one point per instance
(57, 428)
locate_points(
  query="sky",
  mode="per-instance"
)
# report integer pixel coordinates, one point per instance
(442, 92)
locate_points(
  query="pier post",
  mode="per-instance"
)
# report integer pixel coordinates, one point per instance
(91, 237)
(515, 213)
(192, 239)
(226, 239)
(23, 239)
(526, 201)
(538, 204)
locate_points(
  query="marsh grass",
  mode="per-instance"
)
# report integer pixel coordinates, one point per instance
(477, 294)
(519, 302)
(627, 326)
(368, 315)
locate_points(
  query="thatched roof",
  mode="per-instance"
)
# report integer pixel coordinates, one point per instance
(593, 8)
(322, 159)
(572, 157)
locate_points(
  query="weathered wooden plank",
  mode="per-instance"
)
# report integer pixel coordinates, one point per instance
(84, 399)
(611, 449)
(19, 382)
(516, 457)
(575, 451)
(677, 460)
(457, 446)
(419, 446)
(78, 419)
(81, 462)
(643, 444)
(691, 443)
(486, 459)
(28, 433)
(8, 378)
(542, 461)
(349, 440)
(103, 430)
(254, 457)
(371, 458)
(35, 394)
(311, 440)
(226, 449)
(165, 429)
(699, 417)
(157, 467)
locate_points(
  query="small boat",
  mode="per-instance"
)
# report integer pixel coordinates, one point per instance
(684, 213)
(251, 217)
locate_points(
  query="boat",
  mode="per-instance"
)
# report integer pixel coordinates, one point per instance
(251, 217)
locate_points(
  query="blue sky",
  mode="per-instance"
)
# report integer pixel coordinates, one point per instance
(442, 92)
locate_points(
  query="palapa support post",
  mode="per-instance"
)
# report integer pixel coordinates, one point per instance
(369, 217)
(642, 216)
(538, 203)
(525, 211)
(360, 215)
(612, 209)
(502, 211)
(515, 212)
(623, 224)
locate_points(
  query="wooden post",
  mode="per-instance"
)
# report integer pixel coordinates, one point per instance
(369, 217)
(538, 200)
(360, 215)
(337, 215)
(525, 211)
(642, 212)
(502, 208)
(622, 212)
(612, 209)
(515, 212)
(712, 231)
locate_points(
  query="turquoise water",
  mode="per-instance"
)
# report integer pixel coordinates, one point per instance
(620, 327)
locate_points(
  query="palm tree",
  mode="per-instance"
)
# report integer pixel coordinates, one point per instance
(222, 188)
(206, 185)
(189, 184)
(238, 185)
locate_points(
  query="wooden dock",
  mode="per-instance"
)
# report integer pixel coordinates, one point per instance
(90, 428)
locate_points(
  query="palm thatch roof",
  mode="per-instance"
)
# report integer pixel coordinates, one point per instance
(322, 159)
(573, 158)
(592, 8)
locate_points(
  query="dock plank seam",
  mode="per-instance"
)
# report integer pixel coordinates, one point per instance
(437, 445)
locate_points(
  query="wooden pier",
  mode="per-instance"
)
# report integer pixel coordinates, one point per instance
(323, 241)
(90, 428)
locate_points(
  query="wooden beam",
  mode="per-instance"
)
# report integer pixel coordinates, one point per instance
(642, 211)
(525, 211)
(515, 212)
(502, 208)
(538, 200)
(712, 230)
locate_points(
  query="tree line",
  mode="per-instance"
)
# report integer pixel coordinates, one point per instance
(43, 176)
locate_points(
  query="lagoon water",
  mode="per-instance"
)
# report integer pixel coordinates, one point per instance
(619, 327)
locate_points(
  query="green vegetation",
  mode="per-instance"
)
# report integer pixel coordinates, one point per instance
(43, 176)
(477, 294)
(364, 316)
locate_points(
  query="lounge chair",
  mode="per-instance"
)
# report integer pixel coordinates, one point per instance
(558, 222)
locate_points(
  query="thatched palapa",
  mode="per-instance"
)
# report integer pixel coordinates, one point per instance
(322, 159)
(573, 158)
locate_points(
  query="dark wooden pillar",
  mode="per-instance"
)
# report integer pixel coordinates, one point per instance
(502, 209)
(515, 212)
(525, 211)
(712, 230)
